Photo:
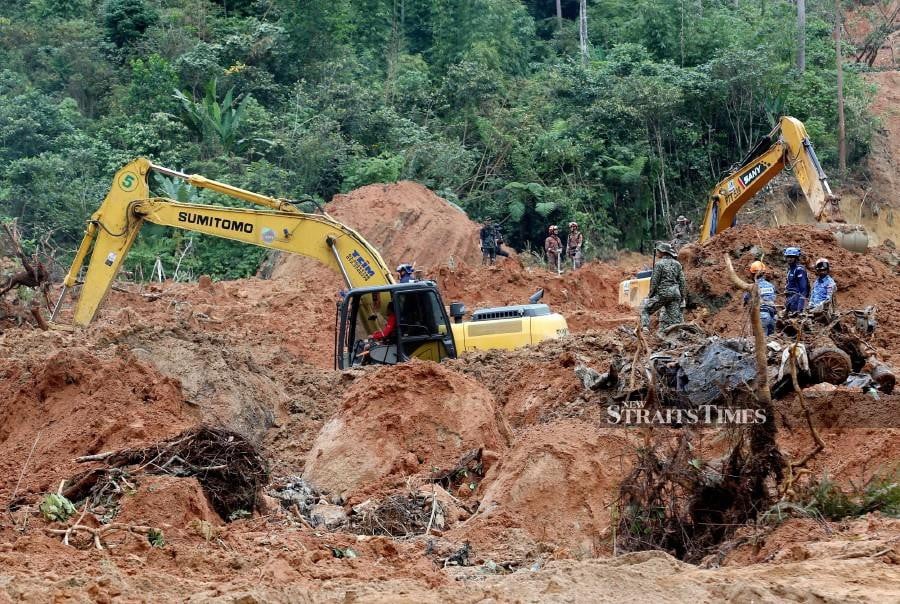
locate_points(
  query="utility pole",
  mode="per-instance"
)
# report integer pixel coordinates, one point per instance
(842, 134)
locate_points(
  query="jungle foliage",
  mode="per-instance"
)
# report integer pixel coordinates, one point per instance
(488, 102)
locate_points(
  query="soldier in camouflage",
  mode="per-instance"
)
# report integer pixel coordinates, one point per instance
(681, 234)
(667, 289)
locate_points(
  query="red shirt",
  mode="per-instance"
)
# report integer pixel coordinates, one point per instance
(385, 333)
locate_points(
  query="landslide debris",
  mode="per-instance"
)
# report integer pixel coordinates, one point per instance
(401, 421)
(254, 356)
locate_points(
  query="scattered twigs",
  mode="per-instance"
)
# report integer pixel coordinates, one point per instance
(641, 347)
(69, 530)
(97, 534)
(25, 466)
(433, 509)
(226, 464)
(763, 448)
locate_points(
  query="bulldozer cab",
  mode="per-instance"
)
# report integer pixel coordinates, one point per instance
(420, 327)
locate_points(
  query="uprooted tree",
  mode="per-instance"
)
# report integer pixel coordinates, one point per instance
(678, 503)
(34, 275)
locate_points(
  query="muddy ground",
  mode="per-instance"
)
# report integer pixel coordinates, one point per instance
(536, 519)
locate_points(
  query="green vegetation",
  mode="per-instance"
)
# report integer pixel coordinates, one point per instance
(881, 493)
(488, 102)
(824, 498)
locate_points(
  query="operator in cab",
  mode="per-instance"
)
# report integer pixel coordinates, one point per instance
(384, 334)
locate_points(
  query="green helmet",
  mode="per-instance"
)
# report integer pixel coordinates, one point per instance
(666, 248)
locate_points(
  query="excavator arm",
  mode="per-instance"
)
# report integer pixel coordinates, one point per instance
(112, 229)
(787, 146)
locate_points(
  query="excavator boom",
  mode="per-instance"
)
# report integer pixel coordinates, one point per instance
(113, 227)
(788, 145)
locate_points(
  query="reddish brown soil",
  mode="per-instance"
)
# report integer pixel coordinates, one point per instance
(398, 422)
(405, 221)
(73, 403)
(862, 279)
(254, 355)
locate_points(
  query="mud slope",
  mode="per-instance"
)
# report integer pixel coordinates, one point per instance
(405, 222)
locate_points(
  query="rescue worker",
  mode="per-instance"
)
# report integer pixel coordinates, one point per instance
(553, 247)
(766, 290)
(681, 234)
(667, 289)
(824, 287)
(488, 242)
(573, 245)
(405, 273)
(498, 239)
(796, 289)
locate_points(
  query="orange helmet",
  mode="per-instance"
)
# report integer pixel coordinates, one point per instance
(757, 267)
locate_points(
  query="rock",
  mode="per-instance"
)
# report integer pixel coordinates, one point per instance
(328, 515)
(448, 510)
(365, 507)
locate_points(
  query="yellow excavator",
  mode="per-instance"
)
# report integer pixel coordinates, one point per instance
(419, 328)
(787, 146)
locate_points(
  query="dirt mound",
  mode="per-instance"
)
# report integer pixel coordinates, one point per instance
(167, 502)
(588, 297)
(74, 403)
(537, 384)
(807, 538)
(398, 421)
(405, 222)
(862, 279)
(224, 380)
(567, 472)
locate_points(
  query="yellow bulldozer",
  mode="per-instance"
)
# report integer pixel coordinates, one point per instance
(378, 321)
(787, 146)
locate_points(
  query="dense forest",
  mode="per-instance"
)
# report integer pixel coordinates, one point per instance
(508, 108)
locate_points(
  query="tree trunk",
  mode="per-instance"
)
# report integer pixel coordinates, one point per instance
(842, 134)
(559, 15)
(801, 35)
(582, 30)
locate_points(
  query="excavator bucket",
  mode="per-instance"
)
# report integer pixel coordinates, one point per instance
(851, 237)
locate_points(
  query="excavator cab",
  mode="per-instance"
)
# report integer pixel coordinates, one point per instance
(419, 328)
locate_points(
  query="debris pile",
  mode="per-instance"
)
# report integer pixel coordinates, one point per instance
(230, 469)
(690, 367)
